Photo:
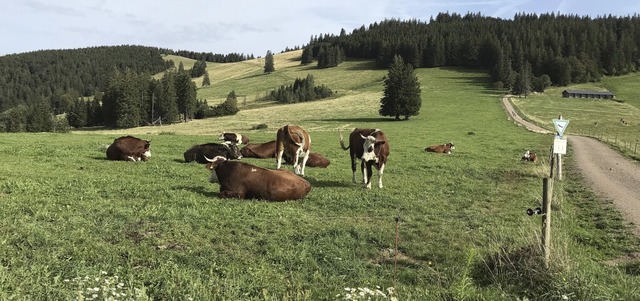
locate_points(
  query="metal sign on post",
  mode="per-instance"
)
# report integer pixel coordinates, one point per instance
(561, 125)
(560, 146)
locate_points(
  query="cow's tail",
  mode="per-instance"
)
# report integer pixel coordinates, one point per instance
(342, 141)
(296, 132)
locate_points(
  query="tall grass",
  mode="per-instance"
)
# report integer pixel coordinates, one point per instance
(159, 226)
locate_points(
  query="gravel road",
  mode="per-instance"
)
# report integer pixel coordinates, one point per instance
(610, 175)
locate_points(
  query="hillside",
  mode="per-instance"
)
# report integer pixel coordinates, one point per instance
(358, 88)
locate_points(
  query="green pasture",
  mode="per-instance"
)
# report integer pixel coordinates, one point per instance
(71, 221)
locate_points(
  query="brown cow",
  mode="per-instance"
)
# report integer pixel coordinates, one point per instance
(129, 148)
(296, 143)
(529, 156)
(442, 148)
(234, 137)
(372, 148)
(317, 160)
(259, 150)
(268, 150)
(246, 181)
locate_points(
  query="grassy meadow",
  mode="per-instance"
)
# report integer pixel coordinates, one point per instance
(75, 226)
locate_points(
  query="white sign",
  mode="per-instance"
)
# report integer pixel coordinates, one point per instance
(561, 125)
(560, 146)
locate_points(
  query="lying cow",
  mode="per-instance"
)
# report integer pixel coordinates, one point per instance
(529, 156)
(372, 148)
(199, 152)
(245, 181)
(129, 148)
(317, 160)
(296, 143)
(259, 150)
(442, 148)
(268, 150)
(234, 137)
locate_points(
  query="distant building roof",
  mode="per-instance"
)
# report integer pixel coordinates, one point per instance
(588, 92)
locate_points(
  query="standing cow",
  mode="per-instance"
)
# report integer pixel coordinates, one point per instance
(246, 181)
(296, 143)
(129, 148)
(372, 148)
(210, 150)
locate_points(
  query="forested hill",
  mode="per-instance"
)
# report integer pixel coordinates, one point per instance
(81, 72)
(567, 48)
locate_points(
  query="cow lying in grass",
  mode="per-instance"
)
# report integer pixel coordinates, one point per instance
(442, 148)
(268, 150)
(246, 181)
(529, 156)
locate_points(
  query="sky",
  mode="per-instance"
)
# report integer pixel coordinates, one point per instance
(240, 26)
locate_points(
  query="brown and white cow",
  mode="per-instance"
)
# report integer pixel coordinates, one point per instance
(129, 148)
(442, 148)
(246, 181)
(372, 148)
(198, 152)
(234, 137)
(268, 150)
(296, 143)
(529, 156)
(259, 150)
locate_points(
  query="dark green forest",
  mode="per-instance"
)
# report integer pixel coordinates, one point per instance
(528, 52)
(106, 85)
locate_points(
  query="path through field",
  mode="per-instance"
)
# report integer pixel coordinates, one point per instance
(609, 174)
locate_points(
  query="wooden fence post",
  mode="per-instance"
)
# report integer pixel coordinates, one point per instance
(547, 195)
(559, 172)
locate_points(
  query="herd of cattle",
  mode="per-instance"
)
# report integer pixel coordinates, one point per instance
(242, 180)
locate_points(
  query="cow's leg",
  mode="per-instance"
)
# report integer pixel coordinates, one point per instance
(366, 174)
(353, 169)
(369, 175)
(296, 161)
(279, 158)
(380, 173)
(304, 162)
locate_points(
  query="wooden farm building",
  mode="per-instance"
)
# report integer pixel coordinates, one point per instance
(587, 94)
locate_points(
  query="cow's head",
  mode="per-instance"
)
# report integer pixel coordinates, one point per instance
(147, 150)
(451, 146)
(233, 151)
(212, 165)
(370, 143)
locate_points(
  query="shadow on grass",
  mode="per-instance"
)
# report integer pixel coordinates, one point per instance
(210, 193)
(315, 183)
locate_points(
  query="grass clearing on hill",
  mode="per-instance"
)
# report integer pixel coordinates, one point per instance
(463, 234)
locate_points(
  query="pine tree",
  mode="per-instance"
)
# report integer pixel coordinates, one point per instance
(268, 63)
(401, 91)
(205, 79)
(307, 55)
(186, 95)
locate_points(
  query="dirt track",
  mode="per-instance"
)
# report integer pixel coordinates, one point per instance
(609, 174)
